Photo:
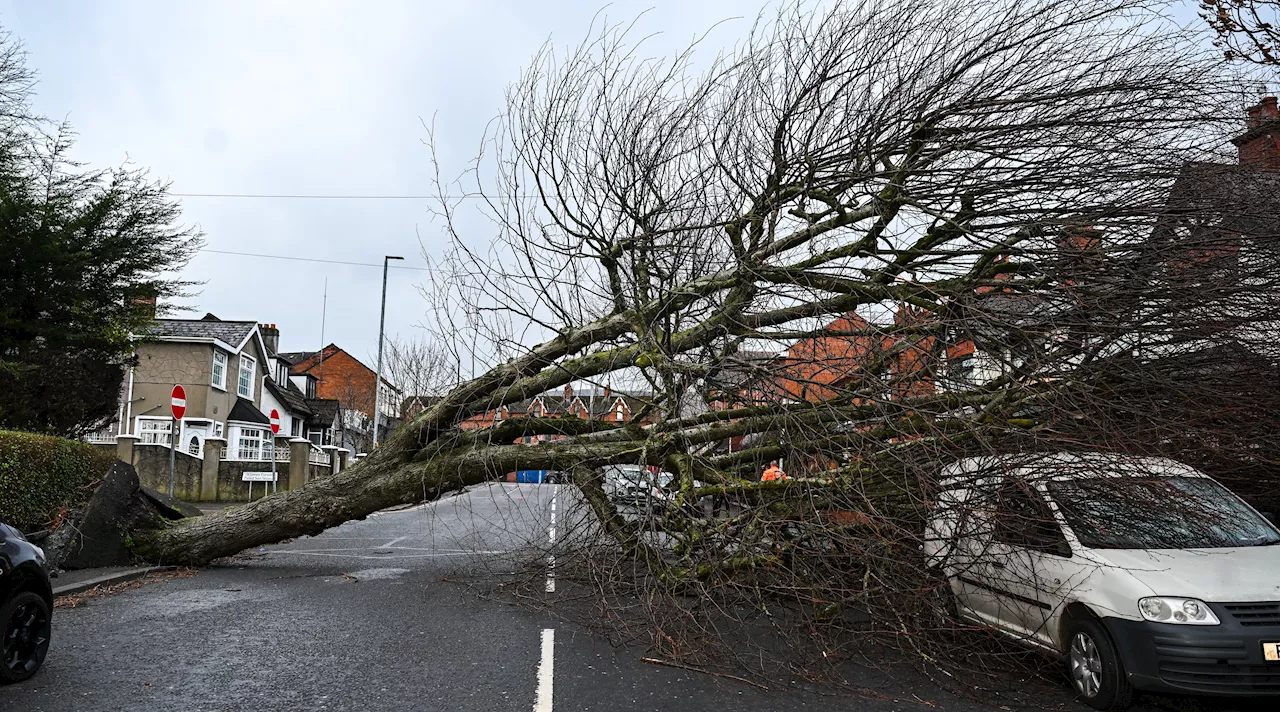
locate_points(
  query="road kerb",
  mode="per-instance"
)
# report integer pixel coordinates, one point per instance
(107, 580)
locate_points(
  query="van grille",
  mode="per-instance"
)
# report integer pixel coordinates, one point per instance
(1215, 677)
(1254, 614)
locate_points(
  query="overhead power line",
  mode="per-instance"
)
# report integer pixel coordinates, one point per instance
(317, 196)
(307, 259)
(314, 196)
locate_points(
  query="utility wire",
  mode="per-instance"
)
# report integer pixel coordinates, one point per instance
(307, 196)
(315, 197)
(308, 259)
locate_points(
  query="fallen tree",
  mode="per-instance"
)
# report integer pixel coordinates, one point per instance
(871, 240)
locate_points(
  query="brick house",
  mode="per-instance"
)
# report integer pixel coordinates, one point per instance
(343, 378)
(604, 405)
(1244, 196)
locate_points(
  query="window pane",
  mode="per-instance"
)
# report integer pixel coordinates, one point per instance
(245, 385)
(219, 377)
(153, 432)
(250, 444)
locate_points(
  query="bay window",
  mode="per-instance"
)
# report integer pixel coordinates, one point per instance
(251, 444)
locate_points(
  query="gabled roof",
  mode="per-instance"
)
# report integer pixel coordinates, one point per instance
(1245, 199)
(290, 396)
(555, 404)
(232, 333)
(229, 335)
(303, 362)
(246, 412)
(324, 411)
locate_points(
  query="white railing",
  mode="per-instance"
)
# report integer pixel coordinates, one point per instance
(316, 456)
(103, 436)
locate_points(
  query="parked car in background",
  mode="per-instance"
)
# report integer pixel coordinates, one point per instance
(26, 605)
(636, 486)
(1141, 573)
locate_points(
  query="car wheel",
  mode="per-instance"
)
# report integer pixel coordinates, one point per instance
(26, 636)
(1094, 666)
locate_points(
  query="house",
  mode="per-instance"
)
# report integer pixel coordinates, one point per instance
(220, 364)
(281, 394)
(341, 377)
(604, 405)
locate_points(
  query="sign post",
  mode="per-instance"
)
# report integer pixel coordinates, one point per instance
(275, 430)
(178, 405)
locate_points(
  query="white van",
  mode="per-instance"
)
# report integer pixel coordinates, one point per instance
(1141, 572)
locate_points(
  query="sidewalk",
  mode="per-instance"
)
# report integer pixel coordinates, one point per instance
(68, 582)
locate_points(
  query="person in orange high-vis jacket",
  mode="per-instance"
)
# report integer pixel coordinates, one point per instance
(773, 472)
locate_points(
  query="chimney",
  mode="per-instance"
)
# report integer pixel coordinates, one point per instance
(146, 306)
(568, 391)
(270, 337)
(608, 390)
(1259, 145)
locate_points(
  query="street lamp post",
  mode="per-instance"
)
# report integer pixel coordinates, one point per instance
(382, 323)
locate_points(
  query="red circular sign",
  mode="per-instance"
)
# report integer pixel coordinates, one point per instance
(275, 422)
(178, 402)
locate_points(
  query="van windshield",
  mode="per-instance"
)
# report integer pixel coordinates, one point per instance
(1158, 513)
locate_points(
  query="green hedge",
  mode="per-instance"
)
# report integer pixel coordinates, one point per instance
(40, 474)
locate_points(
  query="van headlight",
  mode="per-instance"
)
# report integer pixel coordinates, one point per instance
(1181, 611)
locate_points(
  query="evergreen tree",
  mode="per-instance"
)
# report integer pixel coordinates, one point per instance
(84, 254)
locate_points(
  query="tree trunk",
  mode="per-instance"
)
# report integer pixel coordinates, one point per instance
(386, 478)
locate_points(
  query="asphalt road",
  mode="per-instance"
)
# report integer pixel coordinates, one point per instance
(369, 616)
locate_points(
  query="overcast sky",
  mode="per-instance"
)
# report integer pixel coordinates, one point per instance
(305, 98)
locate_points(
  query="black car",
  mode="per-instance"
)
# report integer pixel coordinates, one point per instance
(26, 605)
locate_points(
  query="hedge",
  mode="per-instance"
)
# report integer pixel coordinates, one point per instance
(39, 475)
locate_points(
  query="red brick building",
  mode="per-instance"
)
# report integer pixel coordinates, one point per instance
(606, 405)
(342, 377)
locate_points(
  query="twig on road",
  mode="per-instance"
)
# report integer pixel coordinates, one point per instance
(682, 666)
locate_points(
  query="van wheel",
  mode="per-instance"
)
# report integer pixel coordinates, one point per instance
(1094, 667)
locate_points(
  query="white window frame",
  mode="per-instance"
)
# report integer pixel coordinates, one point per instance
(251, 435)
(243, 382)
(217, 430)
(218, 377)
(195, 440)
(154, 431)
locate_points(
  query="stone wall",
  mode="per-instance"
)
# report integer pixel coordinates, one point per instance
(232, 489)
(152, 463)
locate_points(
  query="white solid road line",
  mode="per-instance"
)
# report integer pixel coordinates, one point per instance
(551, 557)
(393, 542)
(546, 671)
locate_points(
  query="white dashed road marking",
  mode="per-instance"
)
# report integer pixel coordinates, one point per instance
(546, 672)
(551, 557)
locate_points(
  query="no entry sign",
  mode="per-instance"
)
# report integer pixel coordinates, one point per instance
(178, 402)
(275, 422)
